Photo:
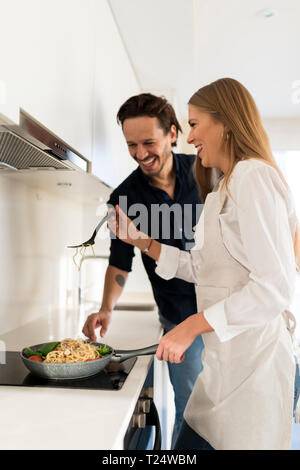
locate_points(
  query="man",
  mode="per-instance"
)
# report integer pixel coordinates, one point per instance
(163, 180)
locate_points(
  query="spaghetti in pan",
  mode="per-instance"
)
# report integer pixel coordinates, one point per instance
(73, 350)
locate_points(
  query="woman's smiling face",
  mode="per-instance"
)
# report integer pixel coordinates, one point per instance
(206, 134)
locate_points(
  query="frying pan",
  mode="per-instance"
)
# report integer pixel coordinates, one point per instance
(77, 370)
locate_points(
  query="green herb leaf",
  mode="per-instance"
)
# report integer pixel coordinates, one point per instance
(48, 347)
(42, 351)
(30, 352)
(104, 350)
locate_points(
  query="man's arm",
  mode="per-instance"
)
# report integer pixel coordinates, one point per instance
(114, 283)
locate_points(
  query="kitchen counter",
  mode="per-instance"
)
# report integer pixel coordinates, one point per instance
(55, 418)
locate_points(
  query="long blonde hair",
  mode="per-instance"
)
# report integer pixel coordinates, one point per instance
(229, 102)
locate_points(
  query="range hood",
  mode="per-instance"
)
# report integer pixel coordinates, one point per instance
(31, 146)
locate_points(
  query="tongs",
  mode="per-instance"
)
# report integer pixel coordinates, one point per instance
(91, 241)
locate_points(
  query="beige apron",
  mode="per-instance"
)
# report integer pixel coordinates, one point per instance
(243, 398)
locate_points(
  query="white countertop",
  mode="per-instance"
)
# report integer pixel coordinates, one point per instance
(55, 418)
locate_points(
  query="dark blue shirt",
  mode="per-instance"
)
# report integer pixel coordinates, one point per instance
(169, 221)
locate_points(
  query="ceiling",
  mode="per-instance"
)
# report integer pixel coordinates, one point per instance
(176, 46)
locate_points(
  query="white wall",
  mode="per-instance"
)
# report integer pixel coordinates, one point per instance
(37, 275)
(114, 83)
(183, 146)
(63, 61)
(284, 134)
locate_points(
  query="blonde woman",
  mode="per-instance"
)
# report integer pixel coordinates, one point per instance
(244, 267)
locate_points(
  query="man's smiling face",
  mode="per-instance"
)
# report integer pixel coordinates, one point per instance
(148, 144)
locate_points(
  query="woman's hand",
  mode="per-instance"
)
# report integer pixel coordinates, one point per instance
(123, 227)
(173, 345)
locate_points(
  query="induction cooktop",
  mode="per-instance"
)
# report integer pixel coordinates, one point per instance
(113, 377)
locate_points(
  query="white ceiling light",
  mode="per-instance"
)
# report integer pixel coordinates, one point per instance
(267, 13)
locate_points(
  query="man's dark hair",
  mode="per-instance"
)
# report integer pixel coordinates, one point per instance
(150, 105)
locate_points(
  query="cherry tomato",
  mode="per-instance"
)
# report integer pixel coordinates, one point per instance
(36, 358)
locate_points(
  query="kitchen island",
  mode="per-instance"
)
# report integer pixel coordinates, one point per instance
(57, 418)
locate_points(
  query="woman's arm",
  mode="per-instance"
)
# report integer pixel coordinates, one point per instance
(171, 262)
(173, 345)
(264, 234)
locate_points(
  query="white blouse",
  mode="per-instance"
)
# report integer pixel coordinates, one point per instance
(258, 225)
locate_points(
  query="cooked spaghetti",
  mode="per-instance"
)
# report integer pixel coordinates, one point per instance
(71, 350)
(82, 253)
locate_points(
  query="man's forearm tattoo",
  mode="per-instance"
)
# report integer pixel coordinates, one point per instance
(120, 280)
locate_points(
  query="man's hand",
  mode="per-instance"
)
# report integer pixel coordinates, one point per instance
(95, 320)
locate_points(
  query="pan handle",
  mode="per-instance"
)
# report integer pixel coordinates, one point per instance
(121, 355)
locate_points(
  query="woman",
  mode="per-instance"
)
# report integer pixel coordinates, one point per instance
(243, 266)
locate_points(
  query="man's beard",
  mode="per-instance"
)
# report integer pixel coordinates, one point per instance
(163, 159)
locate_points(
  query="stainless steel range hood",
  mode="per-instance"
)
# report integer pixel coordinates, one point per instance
(31, 146)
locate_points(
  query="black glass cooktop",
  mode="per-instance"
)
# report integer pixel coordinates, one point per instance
(14, 372)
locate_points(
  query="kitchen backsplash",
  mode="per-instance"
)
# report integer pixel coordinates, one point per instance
(37, 272)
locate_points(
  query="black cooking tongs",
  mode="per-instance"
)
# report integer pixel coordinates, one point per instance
(91, 241)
